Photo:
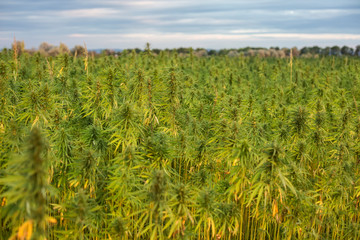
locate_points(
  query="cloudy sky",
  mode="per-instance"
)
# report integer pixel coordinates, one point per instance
(181, 23)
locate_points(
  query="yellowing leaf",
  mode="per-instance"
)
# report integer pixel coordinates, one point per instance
(25, 230)
(35, 121)
(60, 72)
(51, 220)
(275, 209)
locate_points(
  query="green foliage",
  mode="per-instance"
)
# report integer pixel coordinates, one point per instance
(27, 187)
(161, 144)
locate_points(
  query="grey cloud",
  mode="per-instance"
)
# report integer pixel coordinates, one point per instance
(36, 20)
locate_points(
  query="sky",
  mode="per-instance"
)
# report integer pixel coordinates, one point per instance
(181, 23)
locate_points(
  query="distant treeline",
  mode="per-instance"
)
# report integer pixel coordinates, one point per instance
(47, 49)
